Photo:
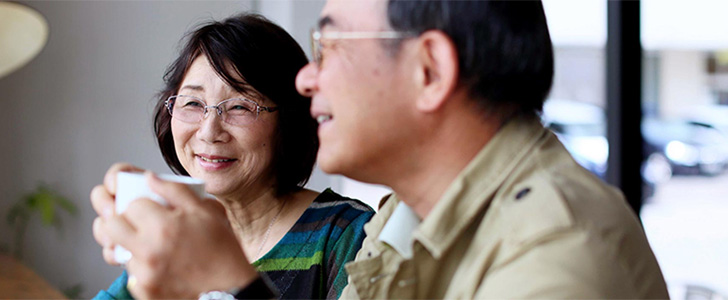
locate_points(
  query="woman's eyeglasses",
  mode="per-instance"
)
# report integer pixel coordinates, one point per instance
(235, 111)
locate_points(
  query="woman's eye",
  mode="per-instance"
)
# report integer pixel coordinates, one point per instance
(193, 104)
(239, 108)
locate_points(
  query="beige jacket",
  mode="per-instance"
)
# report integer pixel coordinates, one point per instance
(522, 220)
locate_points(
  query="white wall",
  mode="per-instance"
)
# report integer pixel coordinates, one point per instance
(683, 82)
(295, 16)
(579, 75)
(85, 102)
(81, 105)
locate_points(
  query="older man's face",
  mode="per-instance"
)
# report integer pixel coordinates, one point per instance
(359, 93)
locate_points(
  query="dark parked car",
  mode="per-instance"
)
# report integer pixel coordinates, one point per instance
(581, 127)
(690, 147)
(713, 115)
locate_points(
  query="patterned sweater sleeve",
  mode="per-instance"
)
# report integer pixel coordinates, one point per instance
(116, 291)
(344, 250)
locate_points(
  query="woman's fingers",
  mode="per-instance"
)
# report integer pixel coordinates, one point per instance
(145, 213)
(99, 234)
(119, 231)
(103, 239)
(109, 257)
(107, 225)
(110, 177)
(176, 194)
(102, 196)
(102, 201)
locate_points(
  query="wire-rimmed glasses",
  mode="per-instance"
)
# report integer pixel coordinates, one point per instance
(235, 111)
(317, 36)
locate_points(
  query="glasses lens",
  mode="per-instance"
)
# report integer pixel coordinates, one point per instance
(239, 111)
(187, 109)
(315, 46)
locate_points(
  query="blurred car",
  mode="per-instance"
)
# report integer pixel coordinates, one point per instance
(690, 147)
(714, 115)
(581, 127)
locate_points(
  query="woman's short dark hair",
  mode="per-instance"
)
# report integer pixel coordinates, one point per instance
(504, 48)
(254, 56)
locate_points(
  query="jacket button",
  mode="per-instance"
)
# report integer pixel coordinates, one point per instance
(522, 193)
(406, 282)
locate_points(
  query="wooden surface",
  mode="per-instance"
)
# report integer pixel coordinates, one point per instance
(20, 282)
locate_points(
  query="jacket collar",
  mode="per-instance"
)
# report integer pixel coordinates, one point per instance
(472, 190)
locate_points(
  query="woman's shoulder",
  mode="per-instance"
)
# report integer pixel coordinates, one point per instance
(330, 199)
(332, 207)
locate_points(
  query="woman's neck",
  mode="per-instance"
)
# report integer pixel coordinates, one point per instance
(252, 217)
(252, 208)
(261, 219)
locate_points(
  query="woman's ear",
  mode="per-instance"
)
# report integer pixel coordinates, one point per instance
(436, 71)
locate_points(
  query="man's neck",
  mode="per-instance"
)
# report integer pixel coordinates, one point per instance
(450, 147)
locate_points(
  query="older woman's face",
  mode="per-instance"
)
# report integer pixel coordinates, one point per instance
(230, 159)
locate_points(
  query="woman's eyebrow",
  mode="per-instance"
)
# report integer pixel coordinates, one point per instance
(192, 87)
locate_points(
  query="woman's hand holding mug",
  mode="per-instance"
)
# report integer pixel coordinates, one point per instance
(179, 250)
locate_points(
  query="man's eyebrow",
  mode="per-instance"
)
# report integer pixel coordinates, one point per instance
(326, 20)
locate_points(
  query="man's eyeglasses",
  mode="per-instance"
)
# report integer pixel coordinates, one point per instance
(236, 111)
(317, 36)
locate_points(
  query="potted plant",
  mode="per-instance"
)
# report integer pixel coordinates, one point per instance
(43, 201)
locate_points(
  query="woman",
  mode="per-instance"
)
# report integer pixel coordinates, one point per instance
(230, 115)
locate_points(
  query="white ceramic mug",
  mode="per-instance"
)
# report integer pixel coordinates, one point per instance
(131, 186)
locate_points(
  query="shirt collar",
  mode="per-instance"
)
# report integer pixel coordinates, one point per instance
(397, 232)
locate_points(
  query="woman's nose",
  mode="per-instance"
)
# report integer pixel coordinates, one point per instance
(211, 128)
(306, 80)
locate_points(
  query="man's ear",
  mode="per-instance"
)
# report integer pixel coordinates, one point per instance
(437, 69)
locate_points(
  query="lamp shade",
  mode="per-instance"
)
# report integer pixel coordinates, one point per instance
(23, 33)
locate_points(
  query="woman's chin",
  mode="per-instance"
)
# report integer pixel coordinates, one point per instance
(216, 190)
(213, 184)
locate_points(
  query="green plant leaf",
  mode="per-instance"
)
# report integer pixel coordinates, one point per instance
(31, 201)
(69, 206)
(46, 207)
(17, 211)
(43, 201)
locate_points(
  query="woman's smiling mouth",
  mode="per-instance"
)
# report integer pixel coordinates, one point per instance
(214, 163)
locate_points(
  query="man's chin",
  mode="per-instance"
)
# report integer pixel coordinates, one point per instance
(332, 163)
(327, 164)
(343, 167)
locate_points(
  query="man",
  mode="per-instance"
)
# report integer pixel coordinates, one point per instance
(439, 100)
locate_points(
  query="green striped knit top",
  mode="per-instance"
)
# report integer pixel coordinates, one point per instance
(308, 262)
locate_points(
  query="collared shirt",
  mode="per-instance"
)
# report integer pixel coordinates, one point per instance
(522, 220)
